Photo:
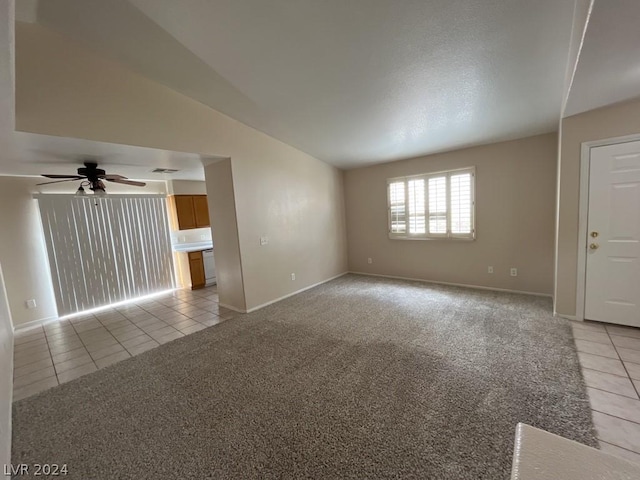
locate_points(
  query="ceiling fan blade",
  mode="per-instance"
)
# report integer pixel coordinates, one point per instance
(60, 181)
(71, 177)
(123, 180)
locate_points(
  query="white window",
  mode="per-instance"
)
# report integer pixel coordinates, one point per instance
(433, 205)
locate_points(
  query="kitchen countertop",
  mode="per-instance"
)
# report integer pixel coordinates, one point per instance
(540, 455)
(192, 247)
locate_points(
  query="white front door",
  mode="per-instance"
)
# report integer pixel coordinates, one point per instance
(612, 292)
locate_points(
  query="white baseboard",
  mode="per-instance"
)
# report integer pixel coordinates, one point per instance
(295, 293)
(34, 324)
(567, 317)
(43, 321)
(231, 307)
(476, 287)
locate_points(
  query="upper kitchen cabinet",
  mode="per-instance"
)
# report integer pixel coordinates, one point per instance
(201, 210)
(190, 211)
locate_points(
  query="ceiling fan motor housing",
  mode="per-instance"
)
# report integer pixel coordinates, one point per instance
(91, 171)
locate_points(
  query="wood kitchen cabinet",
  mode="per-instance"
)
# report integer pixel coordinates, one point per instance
(201, 210)
(191, 211)
(196, 267)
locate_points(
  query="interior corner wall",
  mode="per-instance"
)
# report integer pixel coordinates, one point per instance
(600, 124)
(23, 253)
(226, 248)
(294, 199)
(515, 219)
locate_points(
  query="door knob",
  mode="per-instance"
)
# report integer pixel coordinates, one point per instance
(594, 246)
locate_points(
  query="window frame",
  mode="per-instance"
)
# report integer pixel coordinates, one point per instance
(433, 236)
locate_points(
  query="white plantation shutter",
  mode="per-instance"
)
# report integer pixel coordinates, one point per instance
(461, 203)
(397, 207)
(417, 217)
(104, 250)
(436, 205)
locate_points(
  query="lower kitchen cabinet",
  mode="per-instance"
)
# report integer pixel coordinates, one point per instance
(196, 267)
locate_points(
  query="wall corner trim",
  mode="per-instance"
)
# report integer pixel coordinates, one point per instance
(231, 307)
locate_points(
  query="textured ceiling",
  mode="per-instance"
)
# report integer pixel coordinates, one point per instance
(609, 67)
(352, 83)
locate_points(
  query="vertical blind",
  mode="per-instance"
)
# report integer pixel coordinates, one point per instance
(104, 250)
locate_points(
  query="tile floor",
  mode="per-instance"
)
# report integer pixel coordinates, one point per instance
(610, 359)
(58, 352)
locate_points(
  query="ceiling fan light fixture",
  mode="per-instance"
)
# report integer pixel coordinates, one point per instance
(81, 192)
(98, 188)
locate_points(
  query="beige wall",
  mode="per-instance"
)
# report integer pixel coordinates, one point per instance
(23, 253)
(299, 206)
(608, 122)
(186, 187)
(280, 192)
(515, 197)
(7, 9)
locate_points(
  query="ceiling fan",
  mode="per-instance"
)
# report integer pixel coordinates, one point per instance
(92, 177)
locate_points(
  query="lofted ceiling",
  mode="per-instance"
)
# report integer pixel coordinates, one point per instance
(358, 82)
(609, 68)
(350, 82)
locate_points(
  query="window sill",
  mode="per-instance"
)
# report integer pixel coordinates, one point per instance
(437, 239)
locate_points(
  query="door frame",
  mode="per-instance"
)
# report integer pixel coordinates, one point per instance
(583, 213)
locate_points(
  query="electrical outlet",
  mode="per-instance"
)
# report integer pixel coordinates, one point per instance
(31, 303)
(369, 260)
(514, 272)
(490, 270)
(293, 276)
(264, 241)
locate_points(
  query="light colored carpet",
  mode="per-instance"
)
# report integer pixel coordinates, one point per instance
(358, 378)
